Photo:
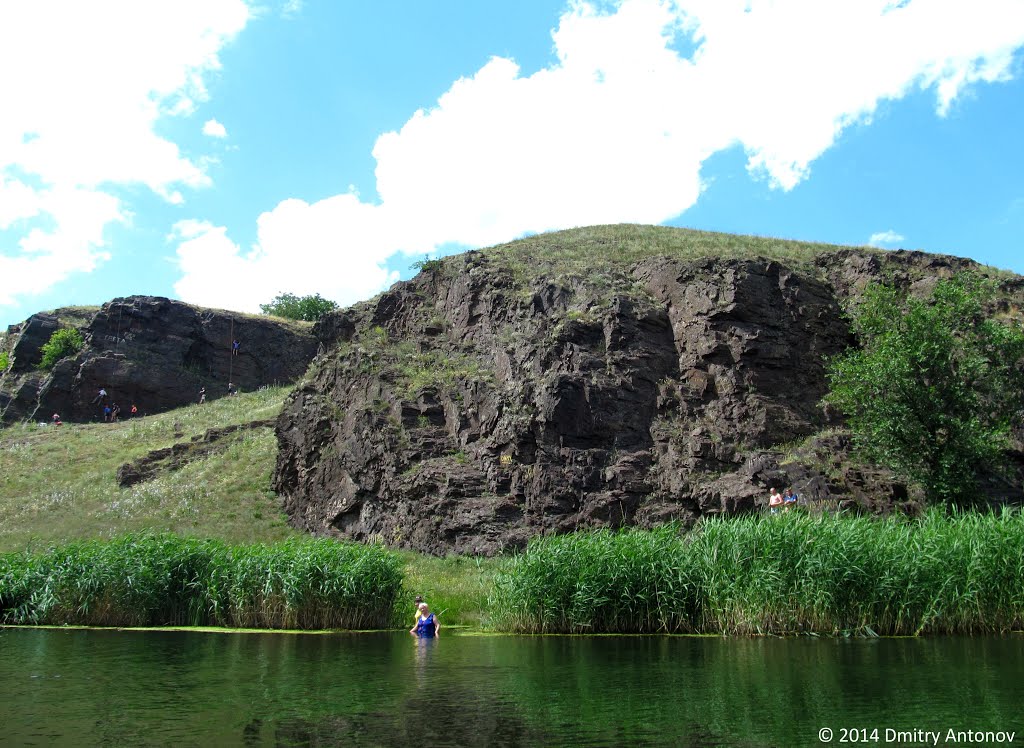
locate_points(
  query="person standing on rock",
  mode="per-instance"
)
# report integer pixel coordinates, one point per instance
(427, 626)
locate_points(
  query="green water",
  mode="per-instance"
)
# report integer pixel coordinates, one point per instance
(79, 687)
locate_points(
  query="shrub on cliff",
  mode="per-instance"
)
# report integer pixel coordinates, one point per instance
(64, 342)
(936, 386)
(290, 306)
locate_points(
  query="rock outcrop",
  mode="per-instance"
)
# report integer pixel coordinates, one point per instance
(478, 405)
(151, 351)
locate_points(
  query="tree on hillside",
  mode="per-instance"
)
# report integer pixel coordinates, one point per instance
(63, 342)
(309, 308)
(936, 385)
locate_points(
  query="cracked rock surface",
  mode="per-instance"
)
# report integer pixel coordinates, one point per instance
(476, 405)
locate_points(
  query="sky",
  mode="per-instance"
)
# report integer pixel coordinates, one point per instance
(225, 151)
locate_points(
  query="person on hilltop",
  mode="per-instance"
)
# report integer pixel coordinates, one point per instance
(427, 626)
(774, 500)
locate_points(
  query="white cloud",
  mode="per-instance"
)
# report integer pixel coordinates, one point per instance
(214, 129)
(619, 127)
(325, 247)
(79, 116)
(881, 238)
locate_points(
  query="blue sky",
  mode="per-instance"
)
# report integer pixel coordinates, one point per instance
(222, 152)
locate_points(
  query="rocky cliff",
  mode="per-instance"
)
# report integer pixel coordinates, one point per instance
(151, 351)
(600, 377)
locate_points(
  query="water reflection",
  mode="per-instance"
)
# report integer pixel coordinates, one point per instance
(135, 688)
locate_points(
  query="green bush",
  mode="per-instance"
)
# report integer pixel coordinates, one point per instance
(5, 361)
(934, 389)
(64, 342)
(290, 306)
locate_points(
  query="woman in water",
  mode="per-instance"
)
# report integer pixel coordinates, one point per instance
(427, 625)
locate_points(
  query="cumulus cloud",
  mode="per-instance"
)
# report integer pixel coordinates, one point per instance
(214, 129)
(882, 238)
(79, 115)
(642, 92)
(301, 248)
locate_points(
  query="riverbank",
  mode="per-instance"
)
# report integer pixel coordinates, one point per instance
(785, 574)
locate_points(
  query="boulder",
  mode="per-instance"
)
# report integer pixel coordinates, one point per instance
(151, 351)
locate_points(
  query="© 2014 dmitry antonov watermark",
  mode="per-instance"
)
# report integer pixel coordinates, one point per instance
(917, 736)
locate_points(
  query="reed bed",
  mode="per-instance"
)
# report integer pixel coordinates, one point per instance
(164, 580)
(782, 574)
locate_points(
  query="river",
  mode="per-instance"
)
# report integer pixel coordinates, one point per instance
(186, 688)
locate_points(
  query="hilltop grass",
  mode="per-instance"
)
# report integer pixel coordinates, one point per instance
(584, 251)
(59, 483)
(791, 573)
(166, 580)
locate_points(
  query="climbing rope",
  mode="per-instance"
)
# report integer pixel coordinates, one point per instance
(117, 338)
(231, 352)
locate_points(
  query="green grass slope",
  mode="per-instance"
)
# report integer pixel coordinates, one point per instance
(59, 483)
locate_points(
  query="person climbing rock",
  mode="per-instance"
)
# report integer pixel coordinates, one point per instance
(235, 346)
(101, 397)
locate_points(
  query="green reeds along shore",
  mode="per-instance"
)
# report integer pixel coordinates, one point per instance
(167, 580)
(788, 573)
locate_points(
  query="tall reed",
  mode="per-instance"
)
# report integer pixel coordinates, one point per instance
(777, 574)
(164, 579)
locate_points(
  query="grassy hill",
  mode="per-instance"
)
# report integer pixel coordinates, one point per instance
(59, 483)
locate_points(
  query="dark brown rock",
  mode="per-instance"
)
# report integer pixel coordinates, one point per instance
(470, 409)
(154, 352)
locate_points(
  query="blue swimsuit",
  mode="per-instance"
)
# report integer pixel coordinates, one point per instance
(425, 627)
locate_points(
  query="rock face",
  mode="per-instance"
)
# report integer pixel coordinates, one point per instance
(150, 351)
(472, 407)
